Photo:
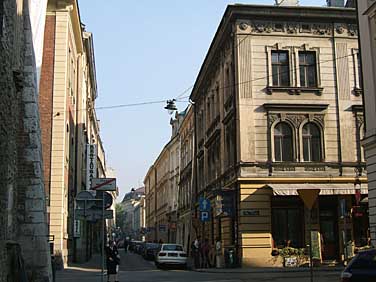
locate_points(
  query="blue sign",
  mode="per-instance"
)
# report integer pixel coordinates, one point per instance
(204, 216)
(204, 204)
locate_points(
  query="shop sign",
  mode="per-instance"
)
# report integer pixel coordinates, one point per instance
(291, 262)
(172, 226)
(250, 212)
(162, 228)
(358, 211)
(91, 164)
(77, 229)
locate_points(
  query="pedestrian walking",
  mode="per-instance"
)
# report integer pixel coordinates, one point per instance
(195, 248)
(126, 245)
(113, 261)
(218, 253)
(205, 250)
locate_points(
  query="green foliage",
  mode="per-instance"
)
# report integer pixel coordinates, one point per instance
(291, 252)
(119, 210)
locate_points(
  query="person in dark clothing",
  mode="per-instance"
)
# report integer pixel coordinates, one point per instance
(113, 261)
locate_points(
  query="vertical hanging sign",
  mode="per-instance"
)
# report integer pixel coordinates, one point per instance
(91, 164)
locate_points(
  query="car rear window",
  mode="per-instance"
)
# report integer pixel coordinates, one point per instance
(173, 248)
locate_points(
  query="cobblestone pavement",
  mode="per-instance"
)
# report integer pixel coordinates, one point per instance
(135, 269)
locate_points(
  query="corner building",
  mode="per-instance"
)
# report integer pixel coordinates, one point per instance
(277, 108)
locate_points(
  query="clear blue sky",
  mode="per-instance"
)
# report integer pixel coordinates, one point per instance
(147, 50)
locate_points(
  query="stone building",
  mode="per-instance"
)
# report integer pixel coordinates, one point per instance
(72, 148)
(162, 189)
(186, 139)
(367, 28)
(23, 232)
(278, 107)
(150, 204)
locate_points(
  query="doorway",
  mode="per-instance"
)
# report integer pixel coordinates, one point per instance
(329, 227)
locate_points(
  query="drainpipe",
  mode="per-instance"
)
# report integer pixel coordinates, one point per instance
(337, 103)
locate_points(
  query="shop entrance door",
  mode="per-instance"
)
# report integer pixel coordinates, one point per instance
(329, 228)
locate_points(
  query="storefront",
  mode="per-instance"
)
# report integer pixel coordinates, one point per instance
(273, 216)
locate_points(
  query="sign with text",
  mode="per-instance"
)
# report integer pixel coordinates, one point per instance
(91, 164)
(77, 229)
(103, 184)
(204, 216)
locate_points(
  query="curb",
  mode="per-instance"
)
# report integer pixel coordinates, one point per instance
(272, 270)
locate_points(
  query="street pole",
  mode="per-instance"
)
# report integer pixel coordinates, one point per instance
(310, 245)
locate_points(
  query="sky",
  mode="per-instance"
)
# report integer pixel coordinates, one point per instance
(146, 51)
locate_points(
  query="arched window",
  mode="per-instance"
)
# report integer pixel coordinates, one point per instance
(283, 146)
(311, 143)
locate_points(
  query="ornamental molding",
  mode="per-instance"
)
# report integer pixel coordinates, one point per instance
(296, 119)
(291, 28)
(359, 120)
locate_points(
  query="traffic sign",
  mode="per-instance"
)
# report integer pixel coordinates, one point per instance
(107, 197)
(309, 196)
(93, 214)
(85, 200)
(204, 216)
(204, 204)
(103, 184)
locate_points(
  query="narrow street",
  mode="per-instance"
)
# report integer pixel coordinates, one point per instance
(134, 268)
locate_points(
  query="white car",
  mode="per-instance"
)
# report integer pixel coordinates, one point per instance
(171, 254)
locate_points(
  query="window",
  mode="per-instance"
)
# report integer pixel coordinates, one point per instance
(359, 65)
(283, 146)
(286, 227)
(280, 68)
(307, 68)
(311, 143)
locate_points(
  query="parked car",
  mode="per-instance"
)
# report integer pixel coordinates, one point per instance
(171, 254)
(150, 251)
(133, 245)
(362, 268)
(140, 248)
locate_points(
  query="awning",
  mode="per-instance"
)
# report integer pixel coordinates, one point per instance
(326, 188)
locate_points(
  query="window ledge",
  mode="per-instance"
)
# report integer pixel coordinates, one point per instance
(292, 90)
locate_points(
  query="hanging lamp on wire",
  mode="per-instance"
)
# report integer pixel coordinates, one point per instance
(171, 106)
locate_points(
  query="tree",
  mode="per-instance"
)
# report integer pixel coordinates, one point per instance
(120, 216)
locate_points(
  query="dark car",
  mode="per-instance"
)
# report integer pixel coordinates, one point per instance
(362, 268)
(150, 250)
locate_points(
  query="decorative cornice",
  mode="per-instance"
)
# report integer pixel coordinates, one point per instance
(318, 29)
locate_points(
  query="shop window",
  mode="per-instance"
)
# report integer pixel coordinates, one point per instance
(308, 69)
(283, 144)
(280, 68)
(311, 143)
(287, 227)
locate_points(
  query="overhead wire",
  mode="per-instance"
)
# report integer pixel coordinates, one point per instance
(180, 99)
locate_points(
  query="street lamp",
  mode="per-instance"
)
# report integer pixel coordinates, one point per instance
(171, 106)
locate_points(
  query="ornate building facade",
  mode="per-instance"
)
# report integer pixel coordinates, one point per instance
(278, 107)
(367, 27)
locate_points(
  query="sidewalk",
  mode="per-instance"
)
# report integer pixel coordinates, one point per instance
(94, 264)
(269, 269)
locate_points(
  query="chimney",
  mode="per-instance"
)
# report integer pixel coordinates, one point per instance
(287, 2)
(336, 3)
